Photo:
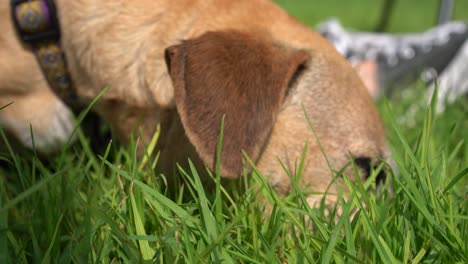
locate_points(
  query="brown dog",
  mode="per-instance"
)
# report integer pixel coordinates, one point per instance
(184, 64)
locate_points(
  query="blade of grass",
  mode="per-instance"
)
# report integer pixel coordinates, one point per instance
(318, 224)
(311, 127)
(106, 155)
(350, 245)
(151, 146)
(207, 217)
(78, 122)
(407, 247)
(406, 148)
(38, 186)
(217, 202)
(16, 160)
(46, 258)
(420, 204)
(146, 251)
(8, 104)
(426, 138)
(186, 218)
(381, 246)
(4, 254)
(117, 234)
(333, 240)
(419, 256)
(455, 180)
(223, 235)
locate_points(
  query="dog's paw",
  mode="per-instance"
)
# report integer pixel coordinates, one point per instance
(46, 133)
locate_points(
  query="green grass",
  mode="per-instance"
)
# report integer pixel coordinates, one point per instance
(408, 15)
(110, 207)
(113, 208)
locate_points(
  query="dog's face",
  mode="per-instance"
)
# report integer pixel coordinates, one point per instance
(264, 78)
(264, 92)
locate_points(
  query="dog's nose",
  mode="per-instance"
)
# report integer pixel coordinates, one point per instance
(366, 165)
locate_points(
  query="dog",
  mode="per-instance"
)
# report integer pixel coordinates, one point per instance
(188, 65)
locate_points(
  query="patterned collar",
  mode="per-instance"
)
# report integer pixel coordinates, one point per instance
(37, 25)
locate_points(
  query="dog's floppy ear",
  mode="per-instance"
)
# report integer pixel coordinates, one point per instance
(243, 77)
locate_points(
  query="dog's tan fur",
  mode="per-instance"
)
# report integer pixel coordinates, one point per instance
(251, 50)
(33, 104)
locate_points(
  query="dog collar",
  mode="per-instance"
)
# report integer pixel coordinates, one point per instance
(37, 24)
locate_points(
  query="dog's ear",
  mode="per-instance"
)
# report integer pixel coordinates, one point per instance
(237, 75)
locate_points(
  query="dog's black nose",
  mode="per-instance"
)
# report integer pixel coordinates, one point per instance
(366, 165)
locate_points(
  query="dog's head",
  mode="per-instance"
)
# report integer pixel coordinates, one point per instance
(264, 90)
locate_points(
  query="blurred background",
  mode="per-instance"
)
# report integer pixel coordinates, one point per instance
(375, 15)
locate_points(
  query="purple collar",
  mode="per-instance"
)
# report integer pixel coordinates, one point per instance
(35, 20)
(37, 25)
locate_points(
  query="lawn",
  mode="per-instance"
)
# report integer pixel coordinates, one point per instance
(109, 207)
(407, 16)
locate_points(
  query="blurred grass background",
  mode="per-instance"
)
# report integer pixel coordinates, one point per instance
(407, 15)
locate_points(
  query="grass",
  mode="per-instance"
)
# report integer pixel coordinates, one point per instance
(81, 207)
(407, 16)
(110, 207)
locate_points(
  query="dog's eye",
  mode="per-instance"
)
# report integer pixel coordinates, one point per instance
(297, 74)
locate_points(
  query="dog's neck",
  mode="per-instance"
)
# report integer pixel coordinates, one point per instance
(107, 46)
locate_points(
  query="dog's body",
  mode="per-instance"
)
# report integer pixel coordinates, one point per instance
(258, 66)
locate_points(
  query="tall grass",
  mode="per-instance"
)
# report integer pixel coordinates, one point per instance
(113, 208)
